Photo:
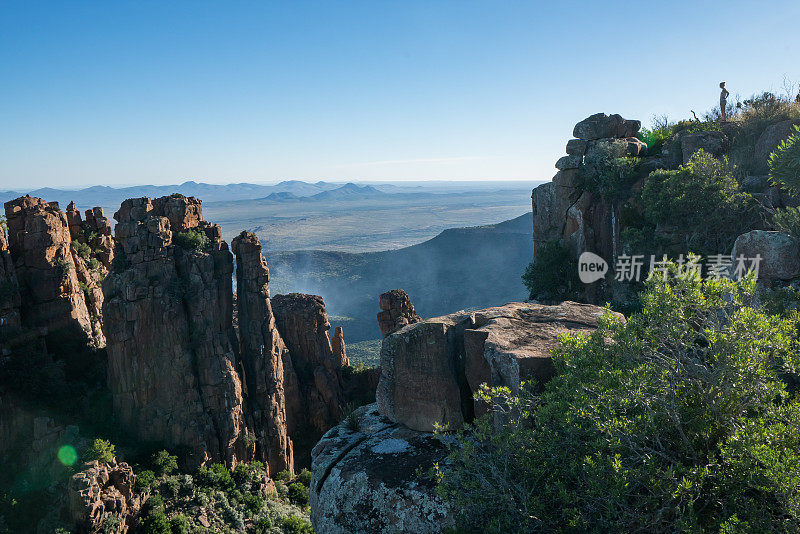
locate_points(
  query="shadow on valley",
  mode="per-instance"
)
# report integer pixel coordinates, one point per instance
(458, 269)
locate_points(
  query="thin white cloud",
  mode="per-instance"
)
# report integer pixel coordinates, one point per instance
(444, 161)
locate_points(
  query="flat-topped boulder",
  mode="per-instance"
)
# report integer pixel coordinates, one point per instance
(430, 370)
(368, 477)
(602, 126)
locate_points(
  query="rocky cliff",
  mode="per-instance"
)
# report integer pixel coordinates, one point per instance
(368, 473)
(9, 295)
(313, 373)
(263, 353)
(58, 286)
(172, 349)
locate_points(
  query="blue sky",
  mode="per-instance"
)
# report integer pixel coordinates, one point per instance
(162, 92)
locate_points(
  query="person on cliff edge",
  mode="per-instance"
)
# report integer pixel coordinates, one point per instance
(723, 101)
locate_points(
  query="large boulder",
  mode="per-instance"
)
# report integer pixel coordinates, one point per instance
(602, 126)
(713, 142)
(368, 476)
(430, 370)
(769, 140)
(780, 253)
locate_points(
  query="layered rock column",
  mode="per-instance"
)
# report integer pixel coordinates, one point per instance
(262, 353)
(9, 294)
(46, 265)
(314, 397)
(396, 311)
(172, 362)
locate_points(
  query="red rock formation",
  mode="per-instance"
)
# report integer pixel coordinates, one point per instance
(9, 295)
(314, 398)
(100, 490)
(50, 272)
(262, 355)
(171, 345)
(396, 311)
(337, 344)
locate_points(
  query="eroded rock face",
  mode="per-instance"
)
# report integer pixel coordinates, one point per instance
(430, 370)
(770, 139)
(172, 363)
(9, 294)
(780, 253)
(337, 344)
(714, 142)
(366, 478)
(100, 490)
(263, 353)
(602, 126)
(58, 293)
(396, 311)
(313, 382)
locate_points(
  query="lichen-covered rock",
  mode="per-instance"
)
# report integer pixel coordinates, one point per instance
(430, 370)
(172, 364)
(368, 476)
(263, 353)
(779, 252)
(99, 491)
(602, 126)
(396, 311)
(313, 380)
(50, 273)
(713, 142)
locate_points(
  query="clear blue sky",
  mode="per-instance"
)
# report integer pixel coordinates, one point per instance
(161, 92)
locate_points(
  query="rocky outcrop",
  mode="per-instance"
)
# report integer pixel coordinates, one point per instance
(779, 253)
(368, 476)
(58, 294)
(602, 126)
(338, 347)
(713, 142)
(9, 296)
(263, 354)
(172, 362)
(430, 370)
(313, 381)
(99, 491)
(769, 140)
(396, 311)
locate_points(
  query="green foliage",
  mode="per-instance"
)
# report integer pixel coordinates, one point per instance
(180, 525)
(298, 493)
(62, 266)
(700, 203)
(215, 476)
(304, 477)
(165, 463)
(94, 264)
(82, 249)
(156, 522)
(784, 163)
(101, 450)
(283, 476)
(607, 170)
(87, 291)
(176, 195)
(787, 220)
(677, 420)
(193, 240)
(144, 480)
(553, 275)
(111, 524)
(294, 524)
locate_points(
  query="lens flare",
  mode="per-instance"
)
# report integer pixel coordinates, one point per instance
(67, 455)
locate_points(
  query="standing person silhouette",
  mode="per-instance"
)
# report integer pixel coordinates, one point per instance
(723, 101)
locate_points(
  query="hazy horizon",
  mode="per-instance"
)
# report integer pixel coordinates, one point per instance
(161, 93)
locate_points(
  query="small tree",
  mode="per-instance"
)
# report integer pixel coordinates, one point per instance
(784, 163)
(101, 450)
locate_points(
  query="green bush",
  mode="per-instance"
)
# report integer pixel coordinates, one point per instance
(283, 476)
(194, 240)
(144, 480)
(700, 204)
(165, 463)
(82, 249)
(156, 522)
(101, 450)
(607, 170)
(787, 220)
(677, 420)
(553, 275)
(784, 163)
(304, 477)
(111, 524)
(180, 525)
(298, 493)
(294, 524)
(215, 476)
